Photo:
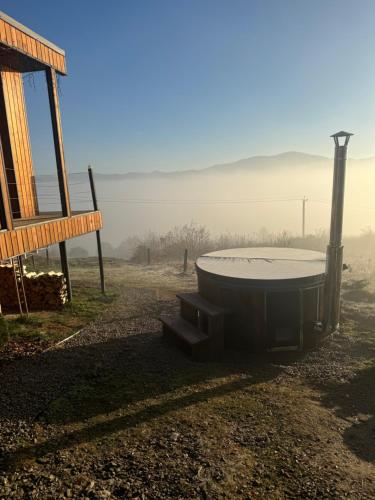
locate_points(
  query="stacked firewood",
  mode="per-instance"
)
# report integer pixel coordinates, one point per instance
(8, 292)
(43, 291)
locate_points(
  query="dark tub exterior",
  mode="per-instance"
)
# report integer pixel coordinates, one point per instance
(275, 295)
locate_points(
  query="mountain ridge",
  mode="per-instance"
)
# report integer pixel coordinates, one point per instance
(277, 161)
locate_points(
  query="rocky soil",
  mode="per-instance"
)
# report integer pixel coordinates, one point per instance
(116, 412)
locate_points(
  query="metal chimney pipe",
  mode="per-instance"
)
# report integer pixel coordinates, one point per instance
(335, 249)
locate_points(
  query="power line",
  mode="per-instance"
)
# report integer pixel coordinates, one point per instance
(183, 202)
(152, 201)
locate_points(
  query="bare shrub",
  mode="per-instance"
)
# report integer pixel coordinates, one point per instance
(196, 238)
(171, 245)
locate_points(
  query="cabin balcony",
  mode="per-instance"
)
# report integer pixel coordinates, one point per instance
(47, 228)
(31, 216)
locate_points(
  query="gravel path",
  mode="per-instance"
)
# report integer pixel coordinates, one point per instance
(28, 384)
(116, 413)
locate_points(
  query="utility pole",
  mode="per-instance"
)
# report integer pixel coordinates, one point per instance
(335, 248)
(304, 200)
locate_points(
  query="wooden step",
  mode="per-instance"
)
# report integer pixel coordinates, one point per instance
(198, 302)
(186, 336)
(184, 329)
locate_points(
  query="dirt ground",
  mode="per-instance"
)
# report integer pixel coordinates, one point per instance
(118, 413)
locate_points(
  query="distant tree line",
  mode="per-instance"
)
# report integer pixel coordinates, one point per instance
(197, 240)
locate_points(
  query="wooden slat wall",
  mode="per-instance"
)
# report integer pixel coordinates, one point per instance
(29, 238)
(19, 141)
(23, 42)
(6, 220)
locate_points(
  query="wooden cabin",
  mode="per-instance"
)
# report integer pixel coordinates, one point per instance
(23, 228)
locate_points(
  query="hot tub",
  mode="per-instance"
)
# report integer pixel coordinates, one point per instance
(275, 295)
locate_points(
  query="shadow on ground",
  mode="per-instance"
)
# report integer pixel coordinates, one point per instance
(351, 397)
(100, 389)
(354, 402)
(96, 390)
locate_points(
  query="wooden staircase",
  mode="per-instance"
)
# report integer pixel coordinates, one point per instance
(199, 330)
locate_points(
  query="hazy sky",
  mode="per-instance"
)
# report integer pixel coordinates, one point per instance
(175, 84)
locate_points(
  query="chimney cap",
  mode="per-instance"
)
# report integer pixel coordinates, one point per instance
(342, 134)
(338, 135)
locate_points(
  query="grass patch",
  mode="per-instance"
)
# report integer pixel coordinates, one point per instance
(53, 326)
(4, 334)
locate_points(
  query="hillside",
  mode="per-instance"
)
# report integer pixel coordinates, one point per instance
(282, 160)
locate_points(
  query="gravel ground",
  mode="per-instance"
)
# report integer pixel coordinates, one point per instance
(117, 413)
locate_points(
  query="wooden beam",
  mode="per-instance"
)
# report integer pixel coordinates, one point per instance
(58, 140)
(28, 50)
(35, 234)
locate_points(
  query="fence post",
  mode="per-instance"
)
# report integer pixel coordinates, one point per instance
(185, 260)
(98, 239)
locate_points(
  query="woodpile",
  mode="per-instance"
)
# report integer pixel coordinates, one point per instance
(44, 291)
(8, 294)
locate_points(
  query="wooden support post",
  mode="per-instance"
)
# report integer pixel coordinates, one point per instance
(58, 140)
(185, 260)
(65, 267)
(47, 257)
(98, 239)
